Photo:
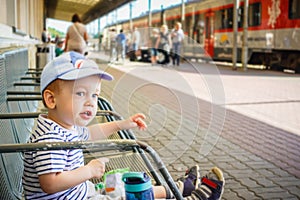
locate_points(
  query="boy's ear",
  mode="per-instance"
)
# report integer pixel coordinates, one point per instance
(49, 99)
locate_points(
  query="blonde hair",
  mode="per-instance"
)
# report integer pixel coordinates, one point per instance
(164, 26)
(179, 24)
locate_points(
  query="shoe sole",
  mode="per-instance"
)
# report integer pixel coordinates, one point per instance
(198, 176)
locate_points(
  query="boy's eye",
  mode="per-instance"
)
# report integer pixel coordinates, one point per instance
(80, 94)
(95, 95)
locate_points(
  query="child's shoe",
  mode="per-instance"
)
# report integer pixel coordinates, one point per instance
(190, 181)
(212, 186)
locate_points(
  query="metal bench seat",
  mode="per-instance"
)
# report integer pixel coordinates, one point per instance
(122, 148)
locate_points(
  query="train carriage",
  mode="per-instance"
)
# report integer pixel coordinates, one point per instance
(273, 33)
(273, 30)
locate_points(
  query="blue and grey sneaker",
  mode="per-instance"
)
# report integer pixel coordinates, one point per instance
(190, 181)
(211, 187)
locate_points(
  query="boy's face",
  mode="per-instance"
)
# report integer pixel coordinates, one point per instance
(76, 103)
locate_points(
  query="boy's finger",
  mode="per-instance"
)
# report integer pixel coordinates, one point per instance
(141, 123)
(139, 115)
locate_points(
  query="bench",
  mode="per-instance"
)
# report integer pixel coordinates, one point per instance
(18, 111)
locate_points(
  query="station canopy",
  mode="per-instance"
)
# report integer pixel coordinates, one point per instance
(88, 10)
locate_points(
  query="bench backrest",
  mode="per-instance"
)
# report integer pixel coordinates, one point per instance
(11, 165)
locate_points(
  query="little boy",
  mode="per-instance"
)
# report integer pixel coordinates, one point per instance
(59, 48)
(70, 86)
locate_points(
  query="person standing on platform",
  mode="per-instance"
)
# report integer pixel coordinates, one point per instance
(77, 36)
(164, 44)
(113, 45)
(121, 43)
(177, 36)
(100, 41)
(136, 36)
(45, 36)
(152, 44)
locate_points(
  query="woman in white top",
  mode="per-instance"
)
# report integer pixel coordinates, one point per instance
(164, 44)
(77, 37)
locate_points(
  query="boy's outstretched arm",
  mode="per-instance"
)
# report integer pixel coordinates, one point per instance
(103, 130)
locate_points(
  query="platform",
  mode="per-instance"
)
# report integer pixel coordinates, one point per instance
(246, 123)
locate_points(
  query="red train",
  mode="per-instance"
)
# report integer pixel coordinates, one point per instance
(273, 30)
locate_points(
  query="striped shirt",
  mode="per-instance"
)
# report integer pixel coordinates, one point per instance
(44, 162)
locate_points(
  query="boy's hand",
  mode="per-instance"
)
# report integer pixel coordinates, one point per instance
(138, 121)
(97, 167)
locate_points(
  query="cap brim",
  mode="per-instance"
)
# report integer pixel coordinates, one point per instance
(85, 72)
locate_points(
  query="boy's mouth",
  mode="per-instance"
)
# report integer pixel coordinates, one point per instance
(87, 113)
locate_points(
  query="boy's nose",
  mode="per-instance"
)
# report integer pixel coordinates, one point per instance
(90, 102)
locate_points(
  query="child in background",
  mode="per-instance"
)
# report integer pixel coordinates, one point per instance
(70, 86)
(59, 48)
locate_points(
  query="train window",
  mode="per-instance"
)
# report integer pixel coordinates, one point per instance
(224, 18)
(240, 17)
(254, 13)
(254, 18)
(198, 29)
(294, 7)
(228, 20)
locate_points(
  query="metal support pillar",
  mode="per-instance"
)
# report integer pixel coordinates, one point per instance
(235, 34)
(149, 14)
(130, 16)
(183, 14)
(99, 25)
(162, 15)
(191, 31)
(245, 36)
(149, 20)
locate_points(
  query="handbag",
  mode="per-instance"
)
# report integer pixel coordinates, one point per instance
(166, 47)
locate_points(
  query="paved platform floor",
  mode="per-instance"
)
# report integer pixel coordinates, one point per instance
(246, 123)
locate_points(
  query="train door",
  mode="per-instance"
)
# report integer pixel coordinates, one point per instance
(209, 34)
